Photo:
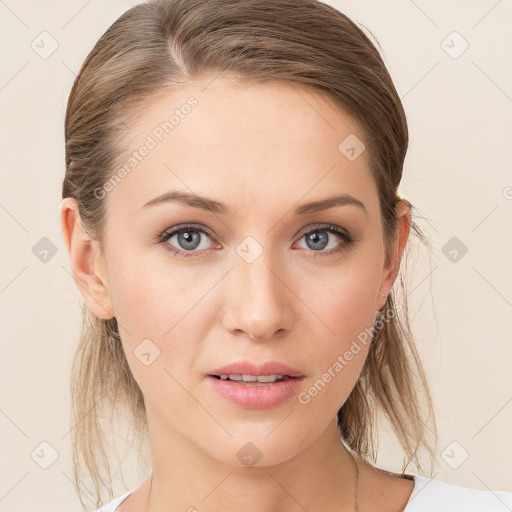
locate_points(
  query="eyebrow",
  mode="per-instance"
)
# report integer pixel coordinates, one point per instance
(210, 205)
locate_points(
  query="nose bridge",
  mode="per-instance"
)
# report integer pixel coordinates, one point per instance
(260, 303)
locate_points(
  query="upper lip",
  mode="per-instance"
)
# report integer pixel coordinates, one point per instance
(249, 368)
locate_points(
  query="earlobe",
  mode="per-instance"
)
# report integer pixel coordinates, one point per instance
(85, 259)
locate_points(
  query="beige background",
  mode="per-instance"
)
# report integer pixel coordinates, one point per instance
(457, 173)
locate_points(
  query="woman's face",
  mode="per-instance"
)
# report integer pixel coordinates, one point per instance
(244, 283)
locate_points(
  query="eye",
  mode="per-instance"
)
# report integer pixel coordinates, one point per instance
(323, 236)
(188, 240)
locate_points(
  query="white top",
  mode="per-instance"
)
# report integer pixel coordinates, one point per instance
(427, 496)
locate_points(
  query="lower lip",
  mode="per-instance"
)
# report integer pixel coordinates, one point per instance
(257, 397)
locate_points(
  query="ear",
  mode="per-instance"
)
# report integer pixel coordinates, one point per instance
(86, 261)
(403, 211)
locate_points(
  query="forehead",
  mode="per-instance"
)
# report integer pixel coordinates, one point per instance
(271, 143)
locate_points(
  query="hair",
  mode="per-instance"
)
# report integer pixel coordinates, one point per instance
(165, 44)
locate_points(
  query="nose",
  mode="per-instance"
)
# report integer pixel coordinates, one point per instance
(259, 301)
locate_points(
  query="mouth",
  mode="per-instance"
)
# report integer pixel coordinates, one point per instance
(254, 380)
(248, 371)
(256, 385)
(256, 391)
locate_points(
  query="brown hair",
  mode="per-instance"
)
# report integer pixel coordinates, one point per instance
(162, 44)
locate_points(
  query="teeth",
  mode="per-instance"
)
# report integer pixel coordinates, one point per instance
(253, 378)
(267, 378)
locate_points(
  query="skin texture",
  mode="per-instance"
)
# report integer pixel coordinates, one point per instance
(262, 150)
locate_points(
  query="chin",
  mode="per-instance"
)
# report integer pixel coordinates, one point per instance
(259, 450)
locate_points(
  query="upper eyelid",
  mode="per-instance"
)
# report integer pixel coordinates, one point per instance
(172, 231)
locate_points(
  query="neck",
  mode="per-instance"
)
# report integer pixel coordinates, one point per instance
(320, 477)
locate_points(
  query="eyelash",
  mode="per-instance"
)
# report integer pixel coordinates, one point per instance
(168, 233)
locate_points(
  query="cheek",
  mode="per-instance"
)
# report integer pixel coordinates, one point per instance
(344, 298)
(350, 303)
(346, 310)
(149, 297)
(158, 311)
(157, 334)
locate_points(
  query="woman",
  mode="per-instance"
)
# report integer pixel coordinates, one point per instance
(231, 213)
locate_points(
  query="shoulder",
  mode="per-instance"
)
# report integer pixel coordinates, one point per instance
(429, 495)
(112, 505)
